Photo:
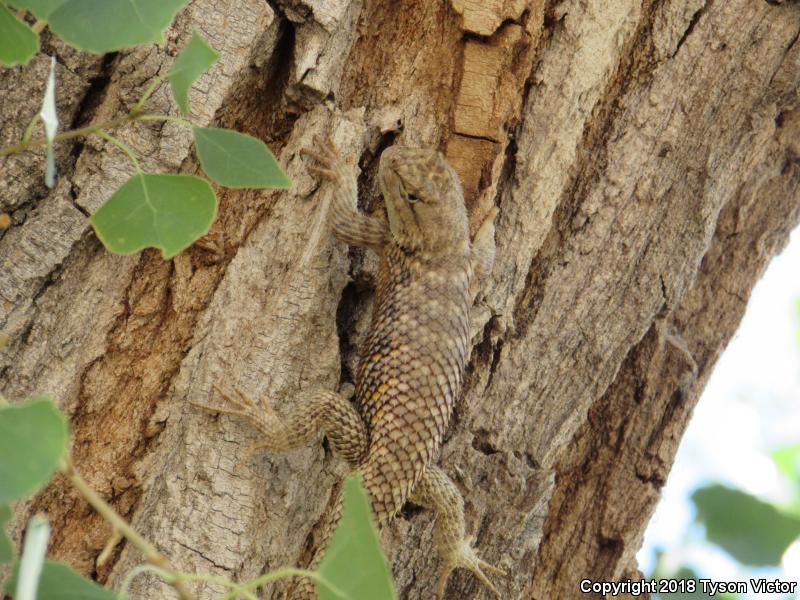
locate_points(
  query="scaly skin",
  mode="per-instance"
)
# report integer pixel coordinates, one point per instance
(413, 360)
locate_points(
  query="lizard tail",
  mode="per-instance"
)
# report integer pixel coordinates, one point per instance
(387, 490)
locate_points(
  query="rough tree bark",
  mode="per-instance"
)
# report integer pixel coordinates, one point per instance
(644, 155)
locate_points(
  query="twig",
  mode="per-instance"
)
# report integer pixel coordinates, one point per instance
(153, 556)
(66, 135)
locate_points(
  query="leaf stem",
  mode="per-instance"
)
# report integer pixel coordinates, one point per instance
(177, 120)
(122, 146)
(112, 542)
(280, 574)
(66, 135)
(26, 143)
(26, 137)
(147, 93)
(135, 572)
(153, 556)
(236, 588)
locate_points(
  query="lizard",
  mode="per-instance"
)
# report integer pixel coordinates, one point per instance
(411, 367)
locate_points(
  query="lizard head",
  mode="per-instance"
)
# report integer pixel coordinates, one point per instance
(424, 201)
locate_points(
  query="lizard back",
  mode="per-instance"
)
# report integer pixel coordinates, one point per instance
(411, 368)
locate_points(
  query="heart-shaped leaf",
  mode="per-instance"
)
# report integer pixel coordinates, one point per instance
(161, 211)
(33, 440)
(102, 26)
(237, 160)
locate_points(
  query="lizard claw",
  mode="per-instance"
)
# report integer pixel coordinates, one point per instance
(467, 559)
(240, 406)
(260, 415)
(327, 155)
(324, 151)
(328, 174)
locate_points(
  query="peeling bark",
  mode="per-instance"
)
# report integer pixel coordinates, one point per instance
(644, 157)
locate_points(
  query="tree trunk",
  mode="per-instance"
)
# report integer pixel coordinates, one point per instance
(644, 156)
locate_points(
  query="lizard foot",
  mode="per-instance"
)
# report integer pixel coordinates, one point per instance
(241, 406)
(258, 414)
(466, 558)
(326, 154)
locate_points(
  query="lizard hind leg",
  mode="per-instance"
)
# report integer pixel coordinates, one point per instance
(322, 410)
(436, 491)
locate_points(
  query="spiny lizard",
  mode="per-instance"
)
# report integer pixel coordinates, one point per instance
(413, 360)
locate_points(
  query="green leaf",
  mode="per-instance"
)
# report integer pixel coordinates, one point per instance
(18, 42)
(33, 440)
(354, 562)
(237, 160)
(787, 460)
(6, 547)
(752, 531)
(60, 582)
(41, 9)
(102, 26)
(162, 211)
(190, 64)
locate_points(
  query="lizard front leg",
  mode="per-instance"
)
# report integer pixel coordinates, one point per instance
(346, 221)
(436, 491)
(322, 410)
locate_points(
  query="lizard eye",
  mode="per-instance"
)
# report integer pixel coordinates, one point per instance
(412, 199)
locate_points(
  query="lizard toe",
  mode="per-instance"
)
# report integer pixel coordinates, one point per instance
(467, 559)
(223, 410)
(258, 414)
